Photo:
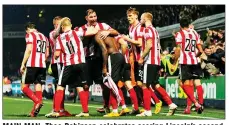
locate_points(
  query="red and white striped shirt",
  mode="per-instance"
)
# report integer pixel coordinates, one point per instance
(188, 39)
(136, 32)
(154, 55)
(53, 47)
(101, 26)
(38, 55)
(127, 54)
(71, 46)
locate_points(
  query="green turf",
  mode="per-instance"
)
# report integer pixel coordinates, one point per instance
(17, 108)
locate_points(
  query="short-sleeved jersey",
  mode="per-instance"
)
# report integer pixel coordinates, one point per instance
(39, 43)
(90, 49)
(52, 41)
(136, 32)
(70, 44)
(188, 40)
(154, 55)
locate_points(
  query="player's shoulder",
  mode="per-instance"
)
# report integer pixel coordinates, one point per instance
(178, 34)
(83, 27)
(146, 30)
(192, 30)
(102, 23)
(39, 33)
(27, 35)
(53, 31)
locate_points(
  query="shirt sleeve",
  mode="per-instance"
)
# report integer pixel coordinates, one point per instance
(197, 37)
(80, 33)
(148, 34)
(29, 39)
(178, 38)
(140, 32)
(106, 26)
(58, 47)
(47, 42)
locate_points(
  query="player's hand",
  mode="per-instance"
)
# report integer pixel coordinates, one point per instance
(125, 37)
(140, 61)
(223, 59)
(104, 34)
(209, 33)
(203, 56)
(104, 72)
(22, 69)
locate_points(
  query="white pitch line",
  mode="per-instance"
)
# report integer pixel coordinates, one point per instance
(191, 116)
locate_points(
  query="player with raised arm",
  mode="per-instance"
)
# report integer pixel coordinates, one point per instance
(74, 70)
(56, 64)
(33, 66)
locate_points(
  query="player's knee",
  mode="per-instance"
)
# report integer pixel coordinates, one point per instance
(197, 82)
(128, 85)
(79, 89)
(144, 85)
(157, 85)
(23, 86)
(60, 88)
(38, 87)
(139, 83)
(186, 82)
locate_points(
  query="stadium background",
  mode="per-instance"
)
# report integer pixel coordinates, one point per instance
(165, 20)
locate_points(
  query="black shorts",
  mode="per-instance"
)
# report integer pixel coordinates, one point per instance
(116, 64)
(56, 69)
(74, 75)
(150, 74)
(126, 72)
(138, 72)
(188, 72)
(94, 68)
(34, 75)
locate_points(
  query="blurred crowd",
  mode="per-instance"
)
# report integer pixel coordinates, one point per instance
(165, 15)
